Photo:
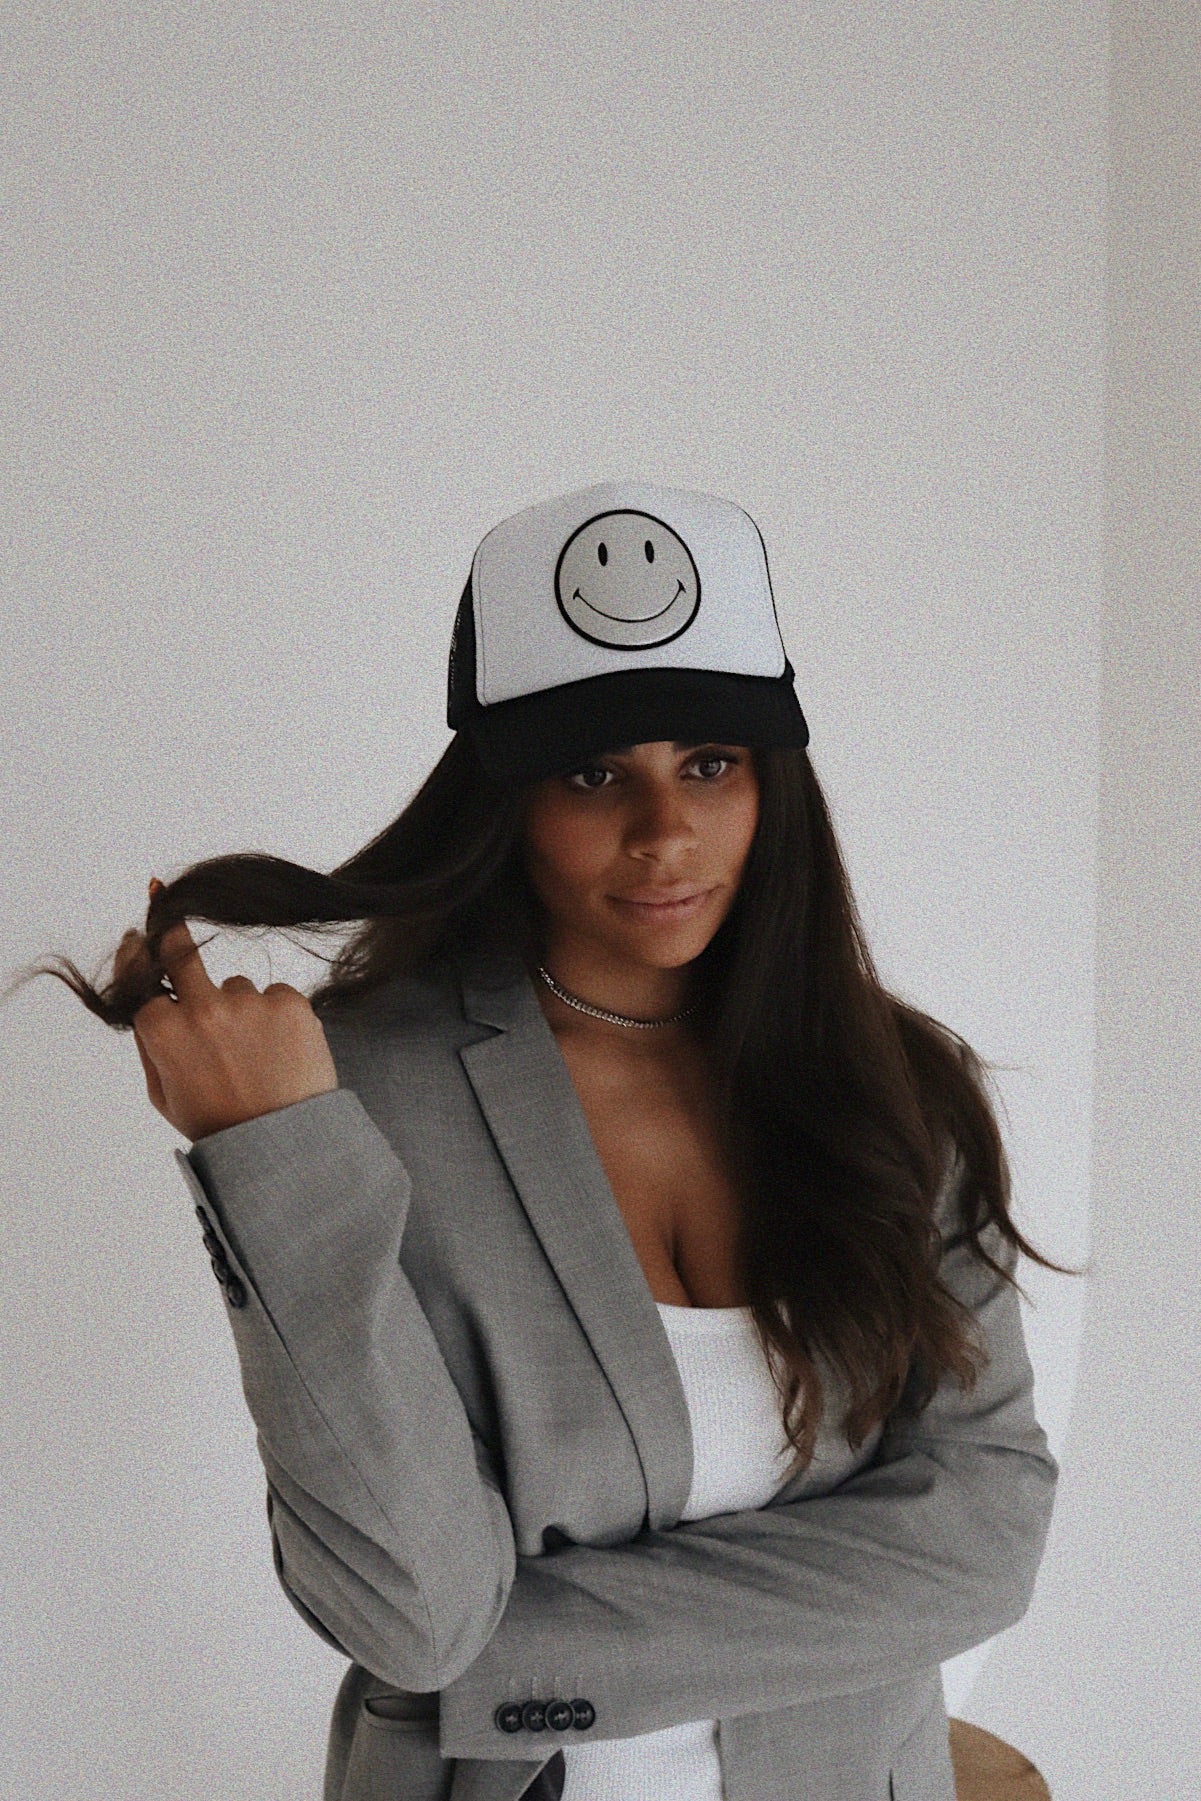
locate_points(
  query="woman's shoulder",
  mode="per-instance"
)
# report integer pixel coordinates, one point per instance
(423, 1006)
(396, 1036)
(405, 1006)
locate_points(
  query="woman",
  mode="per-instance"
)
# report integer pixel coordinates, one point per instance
(621, 1277)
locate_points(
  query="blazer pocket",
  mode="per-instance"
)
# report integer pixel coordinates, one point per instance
(395, 1751)
(398, 1704)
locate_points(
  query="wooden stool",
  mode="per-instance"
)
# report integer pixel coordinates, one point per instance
(987, 1769)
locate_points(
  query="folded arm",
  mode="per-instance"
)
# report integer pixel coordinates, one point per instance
(929, 1549)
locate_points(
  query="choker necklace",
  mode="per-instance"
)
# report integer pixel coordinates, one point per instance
(617, 1019)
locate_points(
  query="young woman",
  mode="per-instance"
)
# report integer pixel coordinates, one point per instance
(621, 1277)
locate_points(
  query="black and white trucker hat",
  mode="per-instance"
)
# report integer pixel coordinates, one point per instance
(619, 614)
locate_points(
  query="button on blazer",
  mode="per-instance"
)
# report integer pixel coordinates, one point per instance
(477, 1446)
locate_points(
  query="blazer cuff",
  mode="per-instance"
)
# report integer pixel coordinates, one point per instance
(298, 1191)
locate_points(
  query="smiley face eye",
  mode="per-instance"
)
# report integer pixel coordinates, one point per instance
(650, 551)
(602, 554)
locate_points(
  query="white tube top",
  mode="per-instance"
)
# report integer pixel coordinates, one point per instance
(739, 1460)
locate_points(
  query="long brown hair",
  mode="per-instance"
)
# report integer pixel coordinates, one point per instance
(839, 1103)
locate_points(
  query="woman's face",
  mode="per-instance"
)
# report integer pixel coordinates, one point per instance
(639, 853)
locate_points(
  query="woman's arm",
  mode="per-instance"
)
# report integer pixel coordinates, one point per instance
(387, 1525)
(930, 1549)
(302, 1204)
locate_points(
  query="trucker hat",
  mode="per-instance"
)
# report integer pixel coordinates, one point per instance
(618, 614)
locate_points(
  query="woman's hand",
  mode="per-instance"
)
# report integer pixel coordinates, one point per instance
(217, 1056)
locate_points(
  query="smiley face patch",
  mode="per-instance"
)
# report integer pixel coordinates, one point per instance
(626, 580)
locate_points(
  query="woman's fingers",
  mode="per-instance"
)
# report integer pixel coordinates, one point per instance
(180, 956)
(127, 950)
(132, 951)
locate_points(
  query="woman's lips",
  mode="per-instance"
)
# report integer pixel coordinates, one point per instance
(664, 910)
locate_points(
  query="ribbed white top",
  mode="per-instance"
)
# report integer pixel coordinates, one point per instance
(739, 1461)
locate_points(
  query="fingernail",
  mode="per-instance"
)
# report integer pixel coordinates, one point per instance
(155, 884)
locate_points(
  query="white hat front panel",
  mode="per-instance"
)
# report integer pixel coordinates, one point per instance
(617, 576)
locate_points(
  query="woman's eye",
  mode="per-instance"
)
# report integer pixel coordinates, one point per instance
(712, 757)
(578, 777)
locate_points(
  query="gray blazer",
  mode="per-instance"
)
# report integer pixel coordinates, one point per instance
(477, 1448)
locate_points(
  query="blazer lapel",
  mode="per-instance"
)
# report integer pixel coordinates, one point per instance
(528, 1098)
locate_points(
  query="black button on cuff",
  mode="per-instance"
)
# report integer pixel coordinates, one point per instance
(536, 1716)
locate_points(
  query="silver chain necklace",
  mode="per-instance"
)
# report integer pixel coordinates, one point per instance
(616, 1019)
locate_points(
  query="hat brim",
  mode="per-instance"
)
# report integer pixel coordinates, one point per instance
(555, 730)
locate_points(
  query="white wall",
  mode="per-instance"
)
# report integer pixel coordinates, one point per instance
(297, 303)
(1100, 1682)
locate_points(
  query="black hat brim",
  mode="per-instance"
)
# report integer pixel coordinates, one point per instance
(555, 730)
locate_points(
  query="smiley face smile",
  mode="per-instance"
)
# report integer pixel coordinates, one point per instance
(646, 618)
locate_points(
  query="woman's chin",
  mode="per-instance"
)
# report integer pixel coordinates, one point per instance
(664, 946)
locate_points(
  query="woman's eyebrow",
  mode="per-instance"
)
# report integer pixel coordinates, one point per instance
(620, 750)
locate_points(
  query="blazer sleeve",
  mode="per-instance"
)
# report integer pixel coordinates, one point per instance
(929, 1549)
(390, 1533)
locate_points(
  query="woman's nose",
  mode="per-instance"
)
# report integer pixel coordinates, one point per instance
(659, 820)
